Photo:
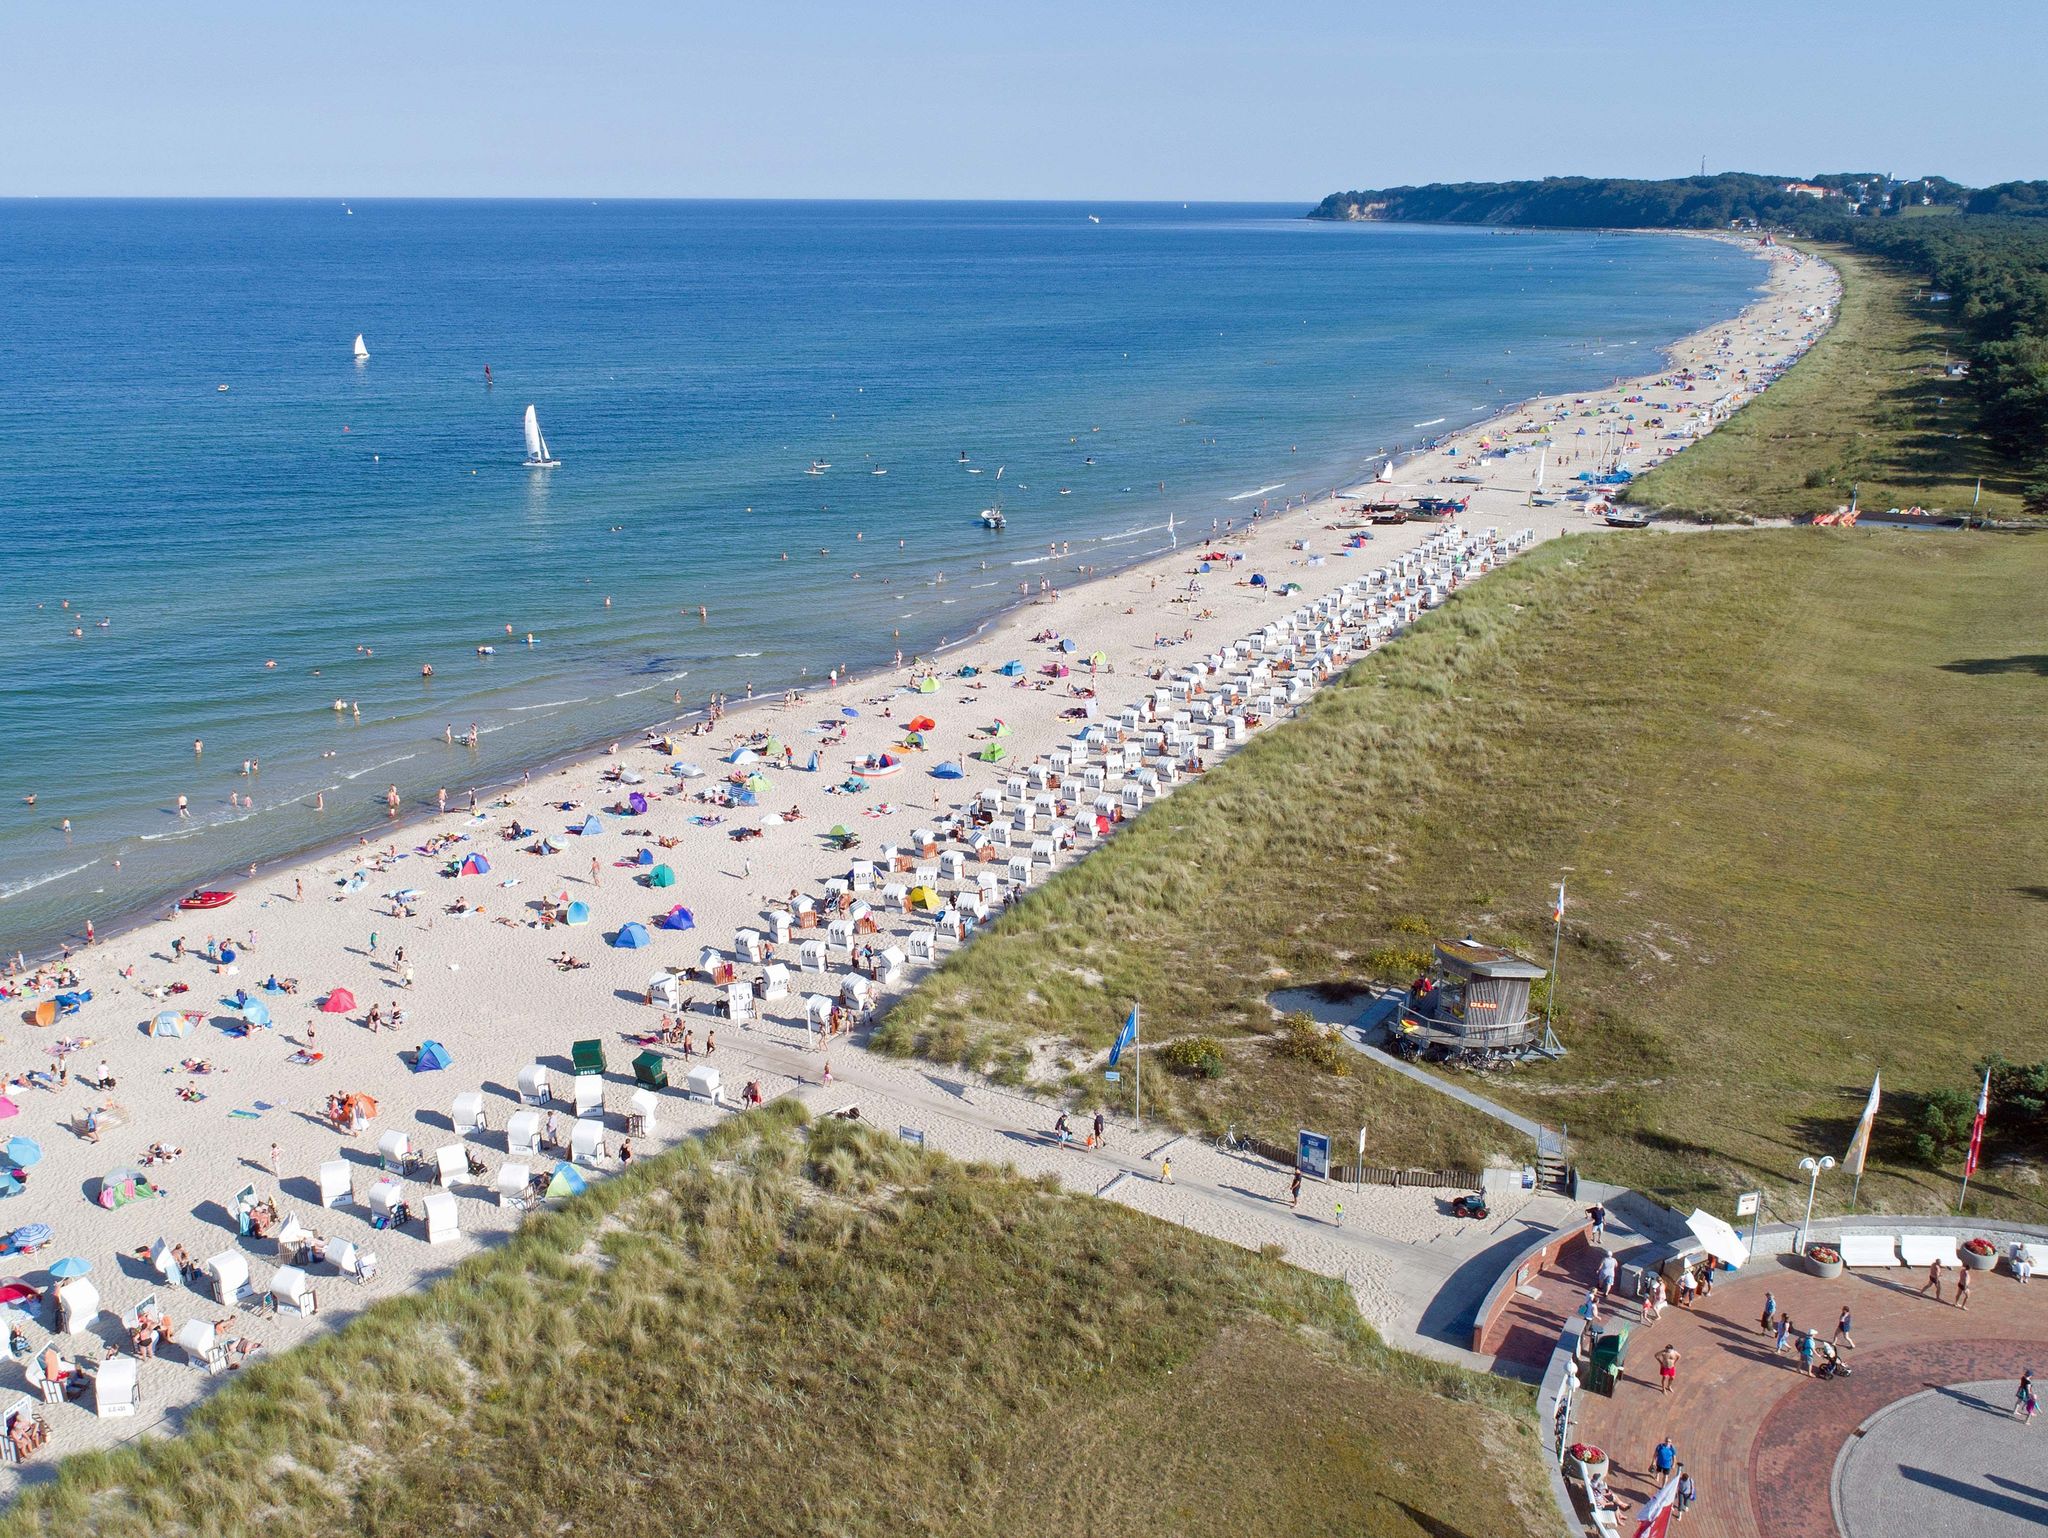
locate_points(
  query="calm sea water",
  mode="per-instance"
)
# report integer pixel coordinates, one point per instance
(352, 521)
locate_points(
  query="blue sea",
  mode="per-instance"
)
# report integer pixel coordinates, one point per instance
(351, 521)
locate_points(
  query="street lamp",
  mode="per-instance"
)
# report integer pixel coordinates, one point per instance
(1814, 1167)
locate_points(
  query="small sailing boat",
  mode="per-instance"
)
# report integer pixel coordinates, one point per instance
(1386, 475)
(537, 456)
(362, 352)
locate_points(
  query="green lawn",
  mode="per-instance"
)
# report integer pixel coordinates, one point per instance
(780, 1332)
(1868, 406)
(1794, 777)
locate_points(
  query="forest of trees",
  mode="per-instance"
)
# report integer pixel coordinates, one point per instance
(1985, 247)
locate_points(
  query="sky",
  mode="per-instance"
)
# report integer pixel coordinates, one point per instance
(1172, 99)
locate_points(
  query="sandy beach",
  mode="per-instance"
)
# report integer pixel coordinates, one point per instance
(471, 960)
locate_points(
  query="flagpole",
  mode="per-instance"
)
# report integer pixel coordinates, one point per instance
(1976, 1140)
(1138, 1065)
(1556, 947)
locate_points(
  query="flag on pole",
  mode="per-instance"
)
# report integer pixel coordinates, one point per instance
(1655, 1521)
(1859, 1145)
(1977, 1127)
(1557, 913)
(1125, 1037)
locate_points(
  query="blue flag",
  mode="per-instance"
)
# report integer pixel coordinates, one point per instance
(1125, 1037)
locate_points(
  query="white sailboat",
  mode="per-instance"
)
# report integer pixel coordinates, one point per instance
(537, 456)
(1386, 475)
(362, 352)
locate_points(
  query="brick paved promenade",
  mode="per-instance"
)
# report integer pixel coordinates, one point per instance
(1761, 1439)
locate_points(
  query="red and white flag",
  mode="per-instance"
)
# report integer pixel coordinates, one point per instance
(1977, 1127)
(1655, 1520)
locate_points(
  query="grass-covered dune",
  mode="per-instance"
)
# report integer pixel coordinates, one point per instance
(792, 1330)
(1792, 777)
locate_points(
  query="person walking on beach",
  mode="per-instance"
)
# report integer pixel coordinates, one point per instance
(1605, 1280)
(1784, 1335)
(1963, 1289)
(1688, 1492)
(1293, 1190)
(1166, 1172)
(1667, 1368)
(1664, 1458)
(1933, 1281)
(373, 942)
(2024, 1404)
(1598, 1215)
(1771, 1311)
(595, 878)
(1098, 1129)
(276, 1162)
(1842, 1328)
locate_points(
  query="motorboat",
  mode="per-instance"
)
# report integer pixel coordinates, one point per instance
(199, 902)
(992, 518)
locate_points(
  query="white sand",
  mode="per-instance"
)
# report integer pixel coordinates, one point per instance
(483, 984)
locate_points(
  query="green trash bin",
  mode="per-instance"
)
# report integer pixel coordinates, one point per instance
(1609, 1355)
(588, 1057)
(651, 1069)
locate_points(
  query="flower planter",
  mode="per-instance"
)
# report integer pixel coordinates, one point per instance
(1588, 1468)
(1826, 1269)
(1973, 1261)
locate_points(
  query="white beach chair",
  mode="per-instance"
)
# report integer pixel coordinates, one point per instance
(739, 1001)
(589, 1096)
(444, 1218)
(161, 1261)
(811, 956)
(78, 1304)
(513, 1181)
(703, 1083)
(384, 1198)
(337, 1182)
(534, 1088)
(394, 1150)
(817, 1010)
(229, 1273)
(522, 1132)
(467, 1113)
(291, 1288)
(586, 1141)
(451, 1163)
(202, 1346)
(774, 982)
(358, 1265)
(643, 1112)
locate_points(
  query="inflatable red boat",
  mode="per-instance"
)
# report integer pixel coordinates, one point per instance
(201, 900)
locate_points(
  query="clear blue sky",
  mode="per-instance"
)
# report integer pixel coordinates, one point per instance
(866, 98)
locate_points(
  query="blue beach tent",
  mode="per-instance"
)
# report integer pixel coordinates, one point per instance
(430, 1057)
(632, 937)
(591, 825)
(678, 917)
(579, 913)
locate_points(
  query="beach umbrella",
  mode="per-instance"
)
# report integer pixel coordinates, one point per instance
(678, 917)
(567, 1181)
(31, 1236)
(632, 937)
(579, 913)
(23, 1153)
(1067, 645)
(256, 1012)
(8, 1108)
(339, 1001)
(637, 804)
(10, 1184)
(662, 875)
(69, 1266)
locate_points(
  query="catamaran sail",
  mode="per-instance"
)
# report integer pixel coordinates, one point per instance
(537, 456)
(362, 352)
(1386, 475)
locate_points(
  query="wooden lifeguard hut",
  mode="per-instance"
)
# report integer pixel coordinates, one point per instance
(1474, 997)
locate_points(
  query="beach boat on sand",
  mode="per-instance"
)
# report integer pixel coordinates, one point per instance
(1624, 517)
(537, 456)
(200, 901)
(362, 352)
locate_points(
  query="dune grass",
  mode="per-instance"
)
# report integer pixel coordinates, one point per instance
(1868, 407)
(1792, 776)
(791, 1330)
